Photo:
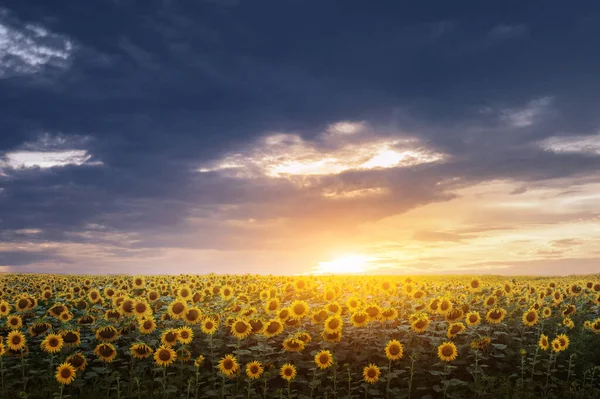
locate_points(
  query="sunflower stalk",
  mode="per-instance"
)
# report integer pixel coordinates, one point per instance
(389, 379)
(412, 373)
(569, 368)
(334, 382)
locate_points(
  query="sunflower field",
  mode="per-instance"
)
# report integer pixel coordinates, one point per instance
(247, 336)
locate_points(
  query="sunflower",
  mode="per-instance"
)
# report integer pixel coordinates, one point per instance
(257, 325)
(293, 345)
(394, 350)
(595, 325)
(420, 324)
(164, 356)
(153, 296)
(169, 337)
(530, 318)
(23, 304)
(94, 296)
(177, 309)
(65, 373)
(546, 312)
(389, 314)
(146, 326)
(359, 319)
(53, 343)
(139, 282)
(335, 336)
(228, 365)
(454, 329)
(140, 351)
(16, 340)
(107, 334)
(374, 311)
(371, 373)
(333, 324)
(495, 316)
(112, 315)
(543, 342)
(563, 342)
(473, 318)
(2, 348)
(445, 306)
(240, 328)
(65, 316)
(475, 285)
(288, 372)
(254, 370)
(447, 351)
(4, 308)
(298, 309)
(272, 305)
(38, 329)
(353, 302)
(192, 316)
(273, 328)
(105, 352)
(324, 359)
(209, 325)
(568, 322)
(183, 355)
(199, 361)
(141, 309)
(481, 343)
(14, 322)
(71, 337)
(78, 361)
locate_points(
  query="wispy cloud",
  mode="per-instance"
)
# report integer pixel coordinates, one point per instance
(527, 115)
(587, 144)
(28, 48)
(343, 146)
(48, 151)
(505, 31)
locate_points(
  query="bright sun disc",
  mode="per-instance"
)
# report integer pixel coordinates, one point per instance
(346, 265)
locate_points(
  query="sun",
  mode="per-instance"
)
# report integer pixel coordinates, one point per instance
(351, 264)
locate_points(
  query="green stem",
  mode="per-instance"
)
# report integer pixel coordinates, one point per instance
(389, 379)
(164, 385)
(533, 363)
(412, 372)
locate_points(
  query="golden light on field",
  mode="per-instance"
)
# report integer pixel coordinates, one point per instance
(351, 264)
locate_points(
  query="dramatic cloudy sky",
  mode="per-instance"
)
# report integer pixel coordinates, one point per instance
(291, 136)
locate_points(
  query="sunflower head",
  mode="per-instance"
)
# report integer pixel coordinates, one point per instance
(164, 356)
(288, 372)
(53, 343)
(371, 373)
(78, 361)
(140, 351)
(447, 352)
(65, 373)
(106, 352)
(323, 359)
(228, 365)
(254, 370)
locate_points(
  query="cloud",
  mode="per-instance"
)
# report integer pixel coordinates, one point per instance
(434, 236)
(48, 151)
(344, 146)
(586, 144)
(504, 32)
(527, 115)
(29, 48)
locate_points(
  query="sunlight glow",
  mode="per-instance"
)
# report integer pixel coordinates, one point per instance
(287, 155)
(352, 264)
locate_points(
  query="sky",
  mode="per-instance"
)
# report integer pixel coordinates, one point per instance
(300, 137)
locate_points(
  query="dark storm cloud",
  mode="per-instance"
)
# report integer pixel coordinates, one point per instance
(157, 88)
